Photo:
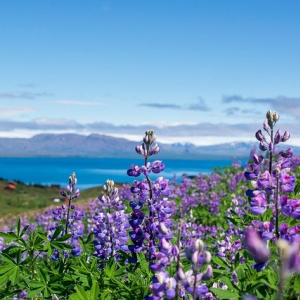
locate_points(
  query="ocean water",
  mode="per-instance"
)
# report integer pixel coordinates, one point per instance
(92, 172)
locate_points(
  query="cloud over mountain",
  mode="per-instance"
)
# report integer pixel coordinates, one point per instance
(282, 104)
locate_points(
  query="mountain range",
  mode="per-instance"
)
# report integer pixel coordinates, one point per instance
(96, 145)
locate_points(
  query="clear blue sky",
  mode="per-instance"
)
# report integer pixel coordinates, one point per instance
(118, 67)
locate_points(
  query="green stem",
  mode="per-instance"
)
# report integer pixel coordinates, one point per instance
(178, 259)
(68, 214)
(276, 208)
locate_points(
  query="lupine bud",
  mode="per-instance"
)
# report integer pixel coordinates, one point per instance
(257, 159)
(195, 257)
(259, 136)
(77, 194)
(199, 245)
(262, 146)
(72, 179)
(165, 244)
(277, 137)
(287, 153)
(175, 250)
(272, 117)
(207, 258)
(62, 192)
(180, 274)
(285, 136)
(163, 228)
(140, 149)
(266, 126)
(208, 274)
(271, 147)
(149, 137)
(109, 186)
(154, 150)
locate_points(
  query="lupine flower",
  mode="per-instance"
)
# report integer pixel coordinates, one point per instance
(287, 183)
(290, 207)
(257, 248)
(110, 223)
(258, 201)
(289, 234)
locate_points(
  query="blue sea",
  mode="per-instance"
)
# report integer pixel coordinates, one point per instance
(92, 172)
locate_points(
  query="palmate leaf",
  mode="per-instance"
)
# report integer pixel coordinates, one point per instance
(61, 246)
(12, 249)
(32, 293)
(81, 294)
(12, 275)
(224, 294)
(57, 232)
(220, 262)
(8, 236)
(95, 290)
(230, 285)
(7, 258)
(63, 238)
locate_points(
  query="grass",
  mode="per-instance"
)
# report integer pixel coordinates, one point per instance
(31, 199)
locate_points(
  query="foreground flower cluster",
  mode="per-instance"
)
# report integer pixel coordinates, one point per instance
(232, 234)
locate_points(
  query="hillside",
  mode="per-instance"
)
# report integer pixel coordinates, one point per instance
(96, 145)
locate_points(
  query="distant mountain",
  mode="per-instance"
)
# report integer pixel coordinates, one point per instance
(96, 145)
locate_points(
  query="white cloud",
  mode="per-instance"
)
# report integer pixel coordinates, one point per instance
(15, 111)
(199, 134)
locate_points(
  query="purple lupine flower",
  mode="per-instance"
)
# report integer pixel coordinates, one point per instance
(253, 172)
(258, 201)
(157, 166)
(287, 183)
(257, 248)
(110, 224)
(265, 229)
(265, 181)
(289, 234)
(290, 207)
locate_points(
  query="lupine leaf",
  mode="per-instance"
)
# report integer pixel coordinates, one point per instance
(6, 276)
(227, 281)
(7, 236)
(34, 292)
(24, 230)
(220, 262)
(95, 290)
(224, 294)
(81, 293)
(63, 238)
(56, 233)
(8, 259)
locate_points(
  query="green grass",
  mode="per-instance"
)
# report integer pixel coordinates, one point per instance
(29, 199)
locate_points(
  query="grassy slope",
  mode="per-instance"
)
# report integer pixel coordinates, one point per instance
(29, 200)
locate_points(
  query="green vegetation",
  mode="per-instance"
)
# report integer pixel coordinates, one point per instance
(30, 199)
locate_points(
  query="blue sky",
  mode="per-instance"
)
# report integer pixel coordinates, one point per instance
(196, 71)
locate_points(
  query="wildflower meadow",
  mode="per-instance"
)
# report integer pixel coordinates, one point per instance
(231, 234)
